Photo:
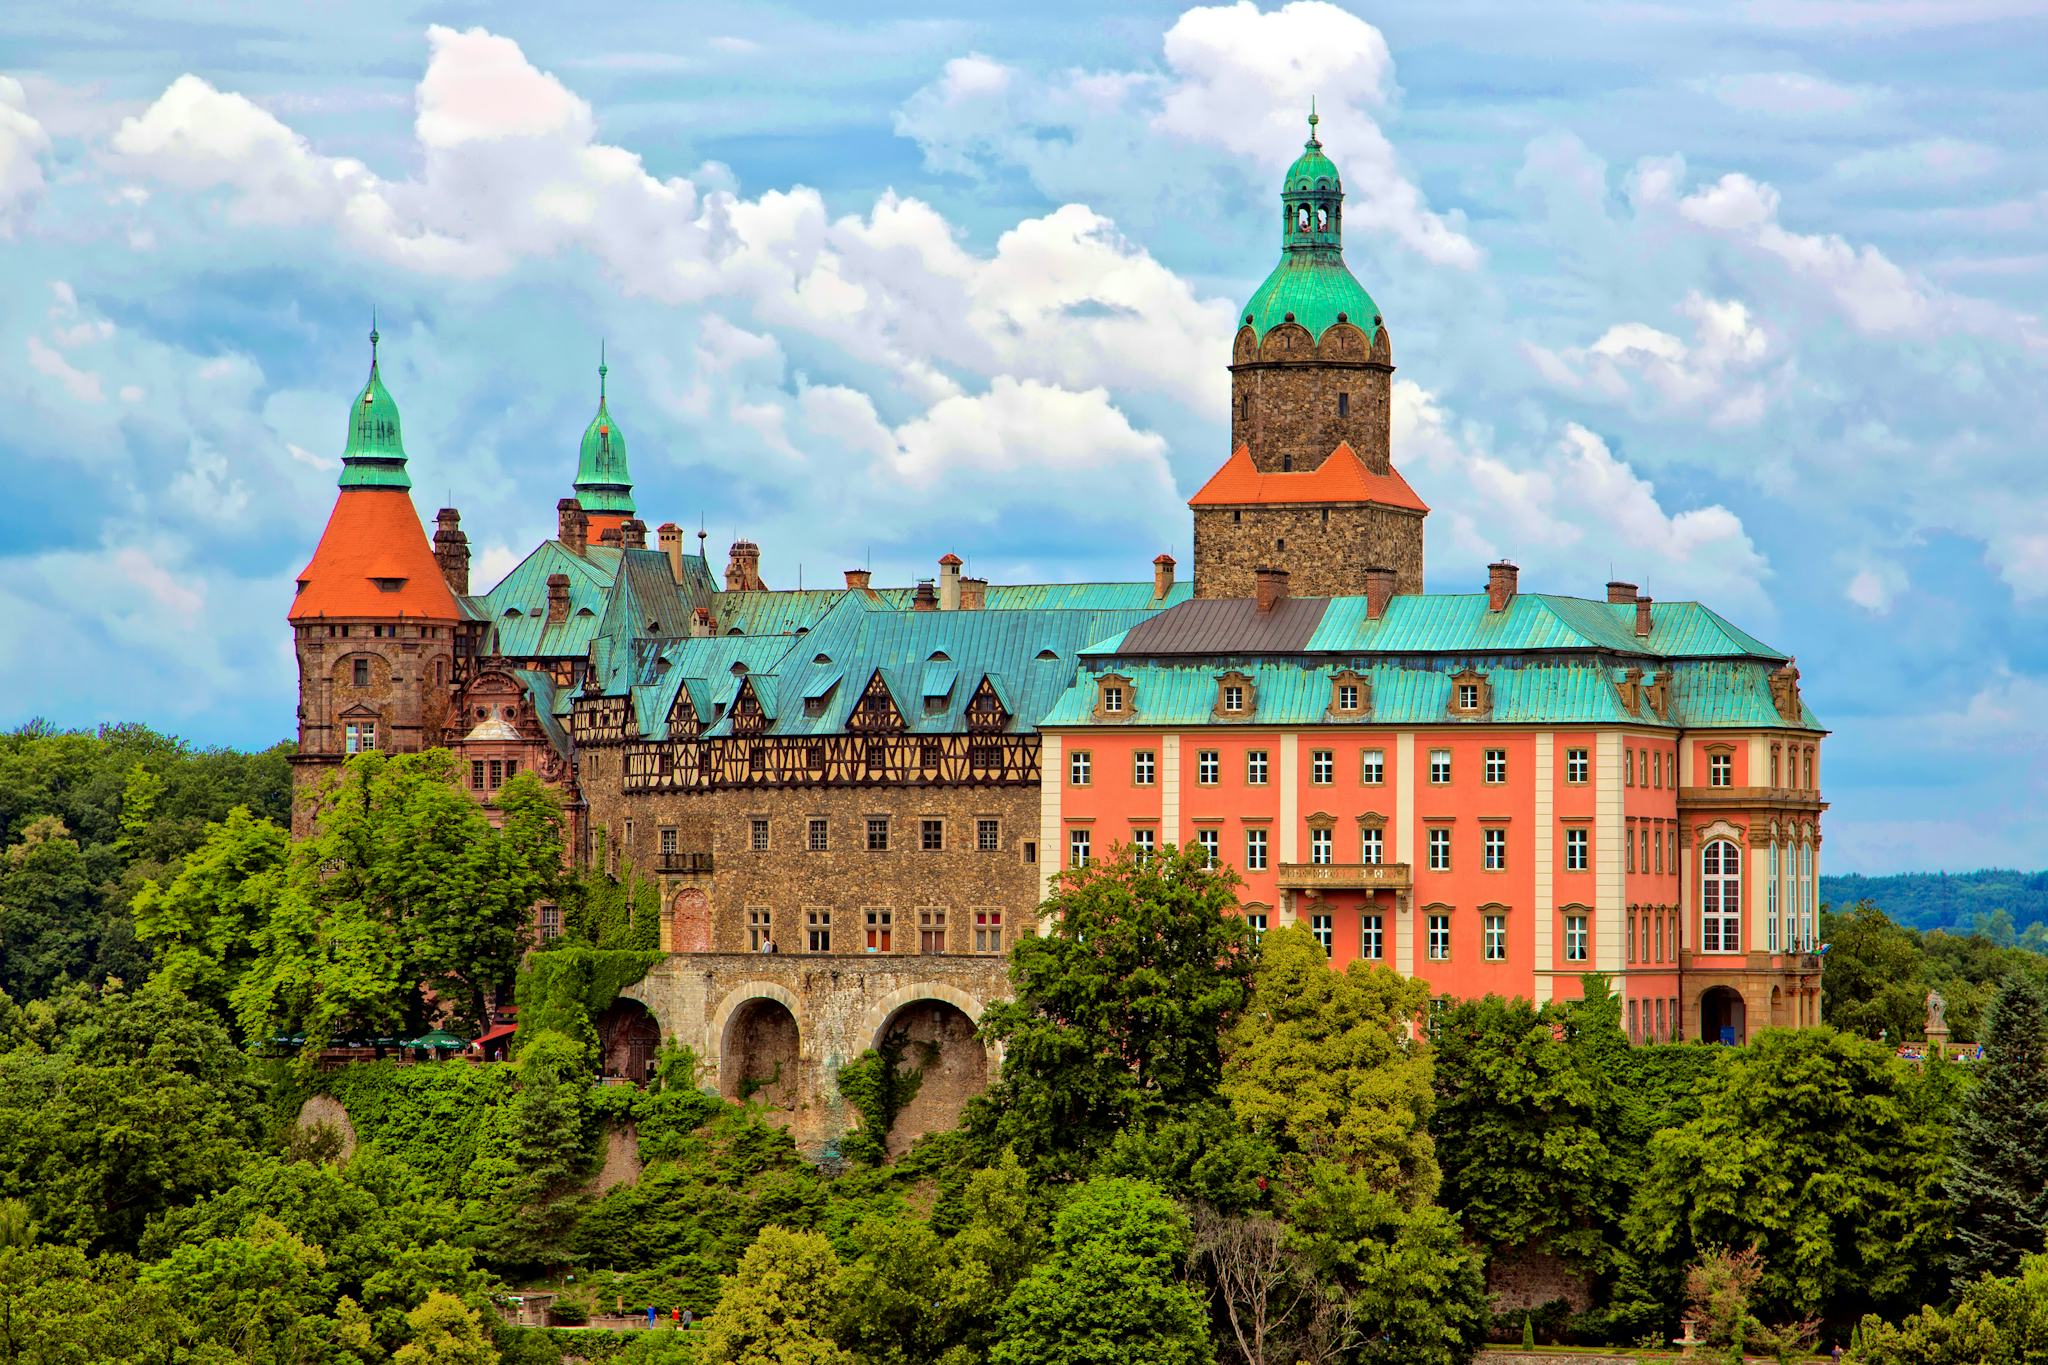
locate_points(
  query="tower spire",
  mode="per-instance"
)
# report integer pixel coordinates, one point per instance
(374, 456)
(603, 484)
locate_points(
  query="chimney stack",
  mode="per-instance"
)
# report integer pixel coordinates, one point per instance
(572, 523)
(1642, 618)
(743, 567)
(1162, 577)
(926, 598)
(451, 550)
(610, 536)
(1500, 585)
(973, 594)
(857, 580)
(633, 534)
(1379, 590)
(949, 582)
(1620, 594)
(668, 538)
(558, 598)
(1272, 587)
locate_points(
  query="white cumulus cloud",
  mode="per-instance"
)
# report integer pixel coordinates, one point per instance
(23, 143)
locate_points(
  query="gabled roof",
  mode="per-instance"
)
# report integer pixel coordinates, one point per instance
(1342, 478)
(373, 560)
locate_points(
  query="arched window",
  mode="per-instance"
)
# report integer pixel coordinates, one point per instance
(1806, 903)
(1721, 898)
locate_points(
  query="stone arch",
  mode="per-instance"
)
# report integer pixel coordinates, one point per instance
(758, 1030)
(1288, 341)
(1723, 1015)
(1343, 341)
(1246, 346)
(936, 1024)
(628, 1036)
(689, 922)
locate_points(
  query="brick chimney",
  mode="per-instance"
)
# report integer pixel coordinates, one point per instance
(743, 567)
(1642, 618)
(558, 598)
(573, 524)
(926, 598)
(949, 582)
(1162, 577)
(1272, 587)
(1379, 590)
(857, 580)
(610, 536)
(451, 550)
(633, 533)
(1620, 594)
(1500, 585)
(973, 594)
(701, 624)
(668, 538)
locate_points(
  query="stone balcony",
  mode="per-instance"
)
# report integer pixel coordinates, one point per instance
(1345, 877)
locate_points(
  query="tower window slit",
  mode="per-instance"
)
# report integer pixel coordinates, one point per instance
(1343, 405)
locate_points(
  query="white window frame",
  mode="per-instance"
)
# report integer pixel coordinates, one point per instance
(1255, 850)
(1720, 770)
(1258, 767)
(1080, 764)
(1496, 767)
(1372, 847)
(1321, 927)
(1495, 842)
(1144, 841)
(1372, 767)
(1578, 767)
(1372, 937)
(1439, 942)
(1771, 902)
(1439, 849)
(1439, 767)
(1210, 841)
(1208, 767)
(1322, 767)
(1575, 938)
(1578, 849)
(1320, 851)
(1144, 768)
(1078, 847)
(1496, 938)
(1721, 897)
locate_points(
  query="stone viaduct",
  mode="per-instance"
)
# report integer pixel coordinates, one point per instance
(777, 1027)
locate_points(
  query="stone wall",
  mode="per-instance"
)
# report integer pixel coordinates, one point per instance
(406, 692)
(790, 882)
(1289, 415)
(1526, 1278)
(778, 1027)
(1325, 550)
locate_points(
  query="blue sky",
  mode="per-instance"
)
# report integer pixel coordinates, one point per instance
(1740, 301)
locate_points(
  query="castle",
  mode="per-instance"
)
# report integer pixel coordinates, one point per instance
(1494, 790)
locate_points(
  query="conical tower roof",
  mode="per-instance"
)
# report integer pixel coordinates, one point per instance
(1311, 285)
(373, 560)
(603, 483)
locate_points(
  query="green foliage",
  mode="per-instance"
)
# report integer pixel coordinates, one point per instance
(1323, 1064)
(1822, 1151)
(1998, 1186)
(57, 1306)
(778, 1307)
(1995, 1322)
(1879, 973)
(130, 1104)
(1118, 1012)
(109, 810)
(1111, 1286)
(404, 902)
(878, 1085)
(203, 924)
(563, 989)
(446, 1331)
(621, 913)
(1410, 1290)
(1955, 901)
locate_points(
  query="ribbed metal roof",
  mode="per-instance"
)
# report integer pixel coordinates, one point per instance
(1227, 626)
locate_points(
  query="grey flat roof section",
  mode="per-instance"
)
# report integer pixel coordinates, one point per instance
(1227, 625)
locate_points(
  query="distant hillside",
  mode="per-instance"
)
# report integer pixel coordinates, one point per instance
(1943, 900)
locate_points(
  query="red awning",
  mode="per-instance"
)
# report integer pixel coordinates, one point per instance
(495, 1033)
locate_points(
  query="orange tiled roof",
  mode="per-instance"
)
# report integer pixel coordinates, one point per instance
(1343, 478)
(373, 534)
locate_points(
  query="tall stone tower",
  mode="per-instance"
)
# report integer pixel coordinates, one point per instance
(374, 621)
(1310, 485)
(604, 487)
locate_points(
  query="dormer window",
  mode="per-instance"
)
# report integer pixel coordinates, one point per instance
(1348, 695)
(388, 584)
(1471, 694)
(1115, 698)
(1236, 696)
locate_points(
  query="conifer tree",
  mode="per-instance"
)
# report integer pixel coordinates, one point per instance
(1998, 1186)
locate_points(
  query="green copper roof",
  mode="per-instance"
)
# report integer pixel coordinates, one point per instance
(602, 482)
(375, 454)
(1311, 285)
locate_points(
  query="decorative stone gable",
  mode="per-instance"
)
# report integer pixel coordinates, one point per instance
(1785, 692)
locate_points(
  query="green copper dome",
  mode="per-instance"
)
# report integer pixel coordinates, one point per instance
(1311, 285)
(375, 454)
(602, 482)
